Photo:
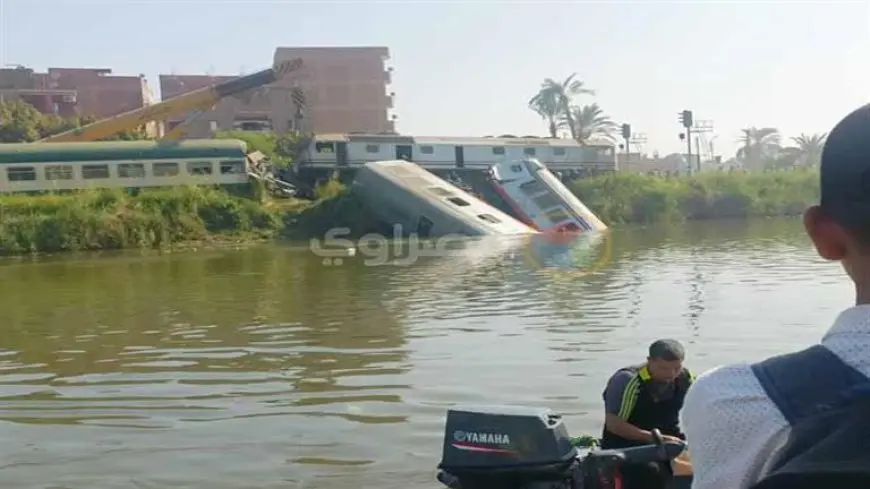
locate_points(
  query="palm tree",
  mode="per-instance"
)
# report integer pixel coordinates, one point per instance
(590, 122)
(553, 102)
(759, 144)
(808, 148)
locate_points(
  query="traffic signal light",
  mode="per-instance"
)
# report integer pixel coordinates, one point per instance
(626, 131)
(685, 118)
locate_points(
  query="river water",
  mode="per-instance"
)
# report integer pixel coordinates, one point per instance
(264, 368)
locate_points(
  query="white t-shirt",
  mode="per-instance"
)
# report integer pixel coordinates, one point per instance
(734, 431)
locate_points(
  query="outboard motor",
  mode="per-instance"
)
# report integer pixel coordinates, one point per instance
(507, 448)
(529, 448)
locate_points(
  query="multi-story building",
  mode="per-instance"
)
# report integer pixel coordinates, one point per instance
(75, 91)
(345, 89)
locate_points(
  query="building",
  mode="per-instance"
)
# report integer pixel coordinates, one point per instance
(345, 90)
(75, 91)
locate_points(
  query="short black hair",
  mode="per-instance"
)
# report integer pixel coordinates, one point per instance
(845, 173)
(669, 350)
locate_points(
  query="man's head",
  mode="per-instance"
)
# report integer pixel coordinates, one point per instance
(665, 360)
(840, 225)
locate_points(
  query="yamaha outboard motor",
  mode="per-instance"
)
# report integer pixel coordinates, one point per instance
(507, 448)
(529, 448)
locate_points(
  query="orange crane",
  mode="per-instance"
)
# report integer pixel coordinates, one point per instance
(197, 101)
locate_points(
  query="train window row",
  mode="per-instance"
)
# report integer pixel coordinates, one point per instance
(323, 147)
(125, 170)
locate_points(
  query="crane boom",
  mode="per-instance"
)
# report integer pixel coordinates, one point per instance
(200, 99)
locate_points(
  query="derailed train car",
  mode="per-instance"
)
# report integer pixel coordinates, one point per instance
(404, 194)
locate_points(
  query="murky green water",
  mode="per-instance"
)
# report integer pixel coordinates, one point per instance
(264, 368)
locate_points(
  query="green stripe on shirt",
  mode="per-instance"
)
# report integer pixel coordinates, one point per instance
(629, 397)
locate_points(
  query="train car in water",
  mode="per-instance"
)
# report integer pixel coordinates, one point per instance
(339, 151)
(541, 200)
(403, 193)
(34, 167)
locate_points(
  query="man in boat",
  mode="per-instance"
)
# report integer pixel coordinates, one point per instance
(641, 398)
(740, 418)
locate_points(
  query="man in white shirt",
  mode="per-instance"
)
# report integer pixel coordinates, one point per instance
(735, 428)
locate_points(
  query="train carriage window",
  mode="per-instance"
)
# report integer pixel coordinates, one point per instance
(489, 218)
(532, 187)
(21, 174)
(529, 151)
(165, 169)
(59, 172)
(458, 201)
(547, 201)
(427, 150)
(95, 172)
(373, 148)
(440, 191)
(498, 150)
(558, 151)
(558, 215)
(199, 168)
(233, 167)
(323, 147)
(131, 170)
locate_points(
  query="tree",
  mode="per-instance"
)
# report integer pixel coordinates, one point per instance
(591, 122)
(20, 122)
(759, 145)
(553, 103)
(808, 148)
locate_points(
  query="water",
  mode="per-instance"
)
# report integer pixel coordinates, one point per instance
(263, 368)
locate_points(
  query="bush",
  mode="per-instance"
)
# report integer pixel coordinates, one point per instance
(631, 197)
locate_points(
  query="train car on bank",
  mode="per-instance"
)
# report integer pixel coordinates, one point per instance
(32, 167)
(341, 151)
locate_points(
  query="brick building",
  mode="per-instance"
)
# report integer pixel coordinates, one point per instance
(345, 90)
(70, 91)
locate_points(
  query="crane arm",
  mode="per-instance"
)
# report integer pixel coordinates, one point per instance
(201, 99)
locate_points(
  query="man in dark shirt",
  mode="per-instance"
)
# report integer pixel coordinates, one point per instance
(641, 398)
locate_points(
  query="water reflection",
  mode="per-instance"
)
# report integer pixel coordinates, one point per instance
(265, 368)
(127, 339)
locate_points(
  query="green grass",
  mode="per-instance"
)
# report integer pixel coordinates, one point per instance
(157, 218)
(627, 197)
(115, 219)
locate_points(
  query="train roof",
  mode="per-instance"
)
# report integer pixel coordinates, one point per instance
(121, 150)
(459, 141)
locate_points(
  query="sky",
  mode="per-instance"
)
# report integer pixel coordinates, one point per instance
(469, 68)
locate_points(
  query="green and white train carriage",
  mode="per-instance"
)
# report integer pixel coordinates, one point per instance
(29, 167)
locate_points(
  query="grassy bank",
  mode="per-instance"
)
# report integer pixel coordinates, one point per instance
(625, 197)
(114, 219)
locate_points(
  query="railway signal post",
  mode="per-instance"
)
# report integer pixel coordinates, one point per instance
(626, 135)
(685, 118)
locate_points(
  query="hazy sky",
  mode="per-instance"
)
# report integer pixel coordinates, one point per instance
(468, 68)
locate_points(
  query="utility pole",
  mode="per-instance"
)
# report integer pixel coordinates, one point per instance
(701, 128)
(685, 118)
(638, 139)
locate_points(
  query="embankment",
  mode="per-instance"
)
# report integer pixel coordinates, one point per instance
(634, 198)
(114, 219)
(159, 218)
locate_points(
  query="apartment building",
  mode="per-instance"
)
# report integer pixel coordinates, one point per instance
(345, 89)
(75, 91)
